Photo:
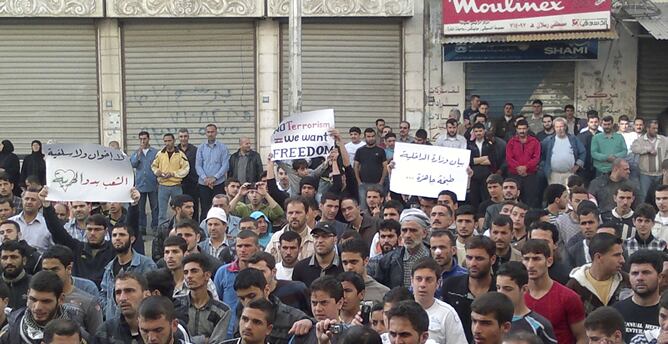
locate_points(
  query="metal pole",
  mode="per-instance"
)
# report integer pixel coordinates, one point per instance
(295, 71)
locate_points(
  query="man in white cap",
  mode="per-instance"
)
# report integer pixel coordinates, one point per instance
(394, 269)
(217, 244)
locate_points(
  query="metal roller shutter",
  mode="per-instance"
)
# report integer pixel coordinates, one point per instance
(48, 82)
(186, 75)
(520, 83)
(354, 68)
(652, 78)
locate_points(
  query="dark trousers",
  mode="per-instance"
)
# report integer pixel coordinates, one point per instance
(478, 190)
(192, 190)
(206, 196)
(529, 187)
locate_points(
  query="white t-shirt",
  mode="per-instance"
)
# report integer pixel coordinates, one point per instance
(351, 148)
(283, 273)
(444, 324)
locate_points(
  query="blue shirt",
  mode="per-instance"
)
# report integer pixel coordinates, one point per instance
(213, 160)
(457, 270)
(145, 180)
(140, 264)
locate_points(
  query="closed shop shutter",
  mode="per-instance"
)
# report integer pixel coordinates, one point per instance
(188, 74)
(652, 78)
(48, 82)
(520, 83)
(353, 68)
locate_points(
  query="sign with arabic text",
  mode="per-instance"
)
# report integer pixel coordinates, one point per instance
(484, 17)
(90, 173)
(303, 135)
(421, 170)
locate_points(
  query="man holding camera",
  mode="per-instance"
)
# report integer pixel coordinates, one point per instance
(258, 200)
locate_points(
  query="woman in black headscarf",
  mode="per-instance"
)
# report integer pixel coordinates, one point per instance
(9, 162)
(34, 164)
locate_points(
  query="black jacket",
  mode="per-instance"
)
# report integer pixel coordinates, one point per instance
(86, 264)
(191, 154)
(18, 290)
(33, 165)
(13, 333)
(253, 167)
(480, 172)
(390, 271)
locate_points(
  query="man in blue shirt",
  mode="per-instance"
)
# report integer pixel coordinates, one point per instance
(212, 164)
(145, 181)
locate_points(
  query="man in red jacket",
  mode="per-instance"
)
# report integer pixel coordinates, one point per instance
(523, 156)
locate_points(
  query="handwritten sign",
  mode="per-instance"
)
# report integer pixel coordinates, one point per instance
(303, 135)
(471, 17)
(421, 170)
(90, 173)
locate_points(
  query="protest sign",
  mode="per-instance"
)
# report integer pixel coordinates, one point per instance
(303, 135)
(422, 170)
(90, 173)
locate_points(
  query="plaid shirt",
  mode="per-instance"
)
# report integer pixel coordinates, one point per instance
(635, 243)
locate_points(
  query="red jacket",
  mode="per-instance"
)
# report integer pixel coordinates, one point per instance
(523, 154)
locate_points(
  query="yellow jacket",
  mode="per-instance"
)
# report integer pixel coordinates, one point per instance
(177, 164)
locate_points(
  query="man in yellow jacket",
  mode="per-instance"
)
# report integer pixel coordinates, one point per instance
(170, 166)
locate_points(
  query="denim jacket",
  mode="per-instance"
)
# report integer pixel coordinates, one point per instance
(145, 180)
(579, 153)
(140, 264)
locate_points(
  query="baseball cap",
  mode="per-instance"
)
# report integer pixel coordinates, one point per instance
(324, 226)
(216, 213)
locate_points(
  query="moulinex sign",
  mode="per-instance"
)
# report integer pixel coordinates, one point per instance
(470, 17)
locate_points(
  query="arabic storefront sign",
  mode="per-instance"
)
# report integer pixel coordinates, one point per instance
(90, 173)
(421, 170)
(303, 135)
(525, 51)
(470, 17)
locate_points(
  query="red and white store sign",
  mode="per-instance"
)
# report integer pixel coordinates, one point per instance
(470, 17)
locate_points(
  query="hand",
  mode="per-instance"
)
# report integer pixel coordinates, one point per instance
(169, 175)
(270, 160)
(43, 194)
(135, 195)
(334, 133)
(357, 320)
(663, 338)
(611, 158)
(158, 173)
(261, 188)
(322, 332)
(522, 170)
(301, 327)
(375, 211)
(243, 190)
(469, 171)
(652, 151)
(575, 168)
(333, 155)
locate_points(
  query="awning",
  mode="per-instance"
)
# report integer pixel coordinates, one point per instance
(657, 26)
(531, 37)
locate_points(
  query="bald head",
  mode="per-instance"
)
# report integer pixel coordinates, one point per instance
(245, 144)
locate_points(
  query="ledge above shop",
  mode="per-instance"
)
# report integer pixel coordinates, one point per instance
(184, 8)
(52, 8)
(350, 8)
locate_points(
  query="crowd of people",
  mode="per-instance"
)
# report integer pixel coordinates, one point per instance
(561, 239)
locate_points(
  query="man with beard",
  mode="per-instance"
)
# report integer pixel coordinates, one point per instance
(451, 139)
(11, 231)
(548, 129)
(325, 260)
(355, 257)
(465, 226)
(511, 192)
(359, 221)
(290, 242)
(7, 209)
(442, 246)
(296, 212)
(523, 156)
(126, 260)
(640, 310)
(246, 245)
(461, 291)
(45, 303)
(76, 227)
(502, 234)
(12, 260)
(157, 321)
(129, 290)
(606, 147)
(94, 254)
(394, 269)
(389, 231)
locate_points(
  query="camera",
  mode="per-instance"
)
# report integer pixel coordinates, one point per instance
(365, 310)
(336, 328)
